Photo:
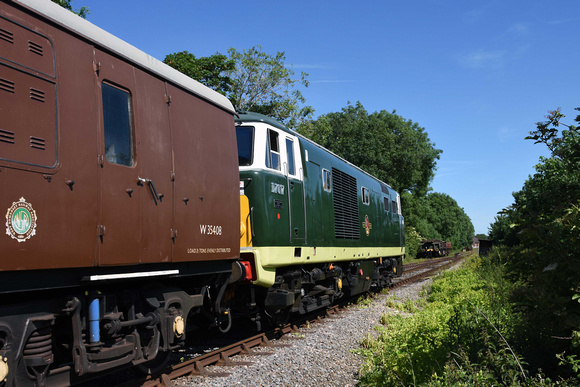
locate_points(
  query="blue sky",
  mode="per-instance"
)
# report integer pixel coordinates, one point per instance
(475, 75)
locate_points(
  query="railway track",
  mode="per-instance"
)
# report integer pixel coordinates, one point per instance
(200, 365)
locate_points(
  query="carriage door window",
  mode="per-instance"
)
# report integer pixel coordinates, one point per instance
(273, 151)
(386, 202)
(118, 125)
(290, 153)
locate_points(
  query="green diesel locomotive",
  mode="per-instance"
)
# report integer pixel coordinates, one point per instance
(315, 228)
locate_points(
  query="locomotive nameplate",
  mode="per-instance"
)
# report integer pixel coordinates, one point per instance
(21, 221)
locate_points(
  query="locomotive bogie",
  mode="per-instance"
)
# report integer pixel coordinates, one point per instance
(70, 336)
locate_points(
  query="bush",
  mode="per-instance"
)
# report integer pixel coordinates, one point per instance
(412, 242)
(455, 336)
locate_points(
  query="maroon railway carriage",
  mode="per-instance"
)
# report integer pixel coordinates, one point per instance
(119, 185)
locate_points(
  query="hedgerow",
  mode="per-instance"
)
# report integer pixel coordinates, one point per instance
(464, 313)
(464, 333)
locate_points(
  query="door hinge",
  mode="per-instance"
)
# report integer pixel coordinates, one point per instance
(101, 160)
(96, 67)
(168, 99)
(100, 230)
(173, 233)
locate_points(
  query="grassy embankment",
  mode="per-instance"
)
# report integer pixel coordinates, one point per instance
(462, 332)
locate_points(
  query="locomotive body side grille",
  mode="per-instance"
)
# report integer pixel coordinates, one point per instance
(384, 189)
(345, 200)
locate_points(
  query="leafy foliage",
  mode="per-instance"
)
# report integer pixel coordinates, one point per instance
(263, 84)
(438, 216)
(412, 241)
(211, 70)
(253, 81)
(83, 12)
(541, 231)
(460, 337)
(396, 150)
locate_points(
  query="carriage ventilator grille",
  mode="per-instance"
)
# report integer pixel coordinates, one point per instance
(344, 195)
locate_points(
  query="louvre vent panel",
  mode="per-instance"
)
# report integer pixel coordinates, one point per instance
(35, 48)
(345, 198)
(37, 143)
(384, 189)
(7, 36)
(6, 85)
(6, 136)
(37, 95)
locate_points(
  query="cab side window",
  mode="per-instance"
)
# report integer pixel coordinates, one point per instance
(290, 153)
(365, 196)
(118, 125)
(245, 138)
(326, 180)
(273, 150)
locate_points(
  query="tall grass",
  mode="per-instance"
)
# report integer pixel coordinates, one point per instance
(463, 335)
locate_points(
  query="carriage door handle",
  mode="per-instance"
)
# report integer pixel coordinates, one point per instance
(152, 189)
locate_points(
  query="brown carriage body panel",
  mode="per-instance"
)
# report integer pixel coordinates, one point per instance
(206, 180)
(50, 118)
(87, 211)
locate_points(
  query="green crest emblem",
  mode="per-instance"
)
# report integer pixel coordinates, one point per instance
(21, 221)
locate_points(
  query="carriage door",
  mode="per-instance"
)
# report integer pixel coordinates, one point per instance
(134, 196)
(295, 188)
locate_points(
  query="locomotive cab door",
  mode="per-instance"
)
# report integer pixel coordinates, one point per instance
(295, 187)
(135, 189)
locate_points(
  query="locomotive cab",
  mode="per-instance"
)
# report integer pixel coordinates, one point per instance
(271, 172)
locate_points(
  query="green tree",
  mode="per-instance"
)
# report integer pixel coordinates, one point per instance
(417, 214)
(504, 231)
(263, 84)
(83, 12)
(396, 150)
(450, 220)
(438, 216)
(211, 70)
(542, 230)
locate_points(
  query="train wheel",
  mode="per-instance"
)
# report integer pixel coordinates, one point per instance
(280, 317)
(154, 366)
